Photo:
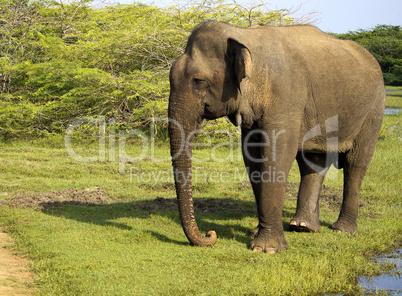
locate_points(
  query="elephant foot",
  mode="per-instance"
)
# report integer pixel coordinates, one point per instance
(254, 232)
(304, 224)
(266, 242)
(343, 226)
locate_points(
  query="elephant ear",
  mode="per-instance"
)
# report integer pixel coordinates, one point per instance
(239, 58)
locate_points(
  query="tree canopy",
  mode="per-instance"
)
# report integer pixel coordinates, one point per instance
(60, 61)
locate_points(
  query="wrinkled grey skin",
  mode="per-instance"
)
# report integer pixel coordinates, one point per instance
(297, 93)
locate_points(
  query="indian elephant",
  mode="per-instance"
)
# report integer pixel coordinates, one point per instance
(297, 93)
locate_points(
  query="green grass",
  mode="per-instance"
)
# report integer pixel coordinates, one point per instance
(134, 243)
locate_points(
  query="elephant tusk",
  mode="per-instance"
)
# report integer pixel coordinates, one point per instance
(238, 119)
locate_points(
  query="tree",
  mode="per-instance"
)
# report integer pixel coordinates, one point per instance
(17, 23)
(63, 59)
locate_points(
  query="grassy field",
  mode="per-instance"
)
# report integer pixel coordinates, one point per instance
(111, 227)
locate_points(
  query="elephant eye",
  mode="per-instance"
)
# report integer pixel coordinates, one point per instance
(200, 83)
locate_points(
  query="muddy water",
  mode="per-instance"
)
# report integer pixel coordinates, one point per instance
(391, 282)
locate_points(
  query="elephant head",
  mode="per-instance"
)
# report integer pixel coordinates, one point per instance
(206, 82)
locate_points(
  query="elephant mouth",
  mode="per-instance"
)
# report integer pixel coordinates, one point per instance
(232, 118)
(209, 114)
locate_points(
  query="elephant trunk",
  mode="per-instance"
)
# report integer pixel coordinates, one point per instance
(182, 127)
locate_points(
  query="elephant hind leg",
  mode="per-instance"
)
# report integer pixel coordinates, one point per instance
(354, 171)
(356, 163)
(347, 220)
(313, 168)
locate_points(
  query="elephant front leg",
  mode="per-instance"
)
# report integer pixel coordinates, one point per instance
(270, 237)
(272, 183)
(278, 149)
(252, 155)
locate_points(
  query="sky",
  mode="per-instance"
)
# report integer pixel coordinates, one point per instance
(334, 16)
(341, 16)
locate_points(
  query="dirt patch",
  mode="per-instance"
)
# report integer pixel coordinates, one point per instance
(159, 187)
(39, 201)
(15, 278)
(204, 205)
(97, 196)
(331, 197)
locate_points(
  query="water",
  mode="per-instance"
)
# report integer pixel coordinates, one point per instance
(390, 282)
(392, 111)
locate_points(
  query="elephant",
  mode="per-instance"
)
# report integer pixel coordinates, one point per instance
(297, 93)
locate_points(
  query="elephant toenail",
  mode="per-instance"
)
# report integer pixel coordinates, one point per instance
(293, 223)
(270, 251)
(258, 249)
(303, 224)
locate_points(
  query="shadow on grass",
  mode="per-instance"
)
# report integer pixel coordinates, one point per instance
(210, 214)
(93, 206)
(206, 210)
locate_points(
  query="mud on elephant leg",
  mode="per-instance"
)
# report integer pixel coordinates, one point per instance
(313, 168)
